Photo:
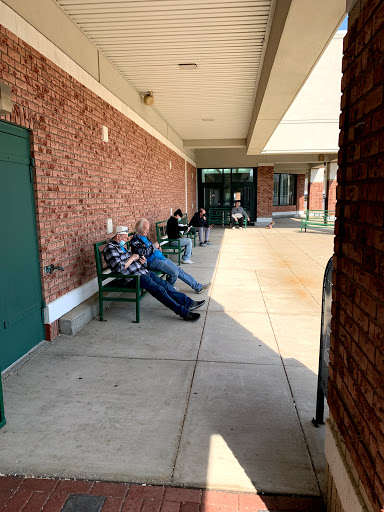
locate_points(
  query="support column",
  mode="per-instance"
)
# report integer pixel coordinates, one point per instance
(330, 200)
(300, 194)
(315, 189)
(264, 192)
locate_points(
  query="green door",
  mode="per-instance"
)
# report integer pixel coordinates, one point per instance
(21, 326)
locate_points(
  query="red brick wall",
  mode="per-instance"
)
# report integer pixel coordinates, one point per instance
(289, 208)
(331, 194)
(300, 192)
(264, 191)
(80, 181)
(356, 389)
(191, 191)
(315, 196)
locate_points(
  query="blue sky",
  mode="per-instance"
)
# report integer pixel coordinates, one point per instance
(344, 25)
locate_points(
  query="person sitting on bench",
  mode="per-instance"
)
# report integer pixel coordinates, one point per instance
(199, 222)
(173, 232)
(238, 214)
(142, 246)
(121, 261)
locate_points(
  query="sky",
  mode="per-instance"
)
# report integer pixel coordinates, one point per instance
(344, 25)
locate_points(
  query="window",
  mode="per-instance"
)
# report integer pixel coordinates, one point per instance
(284, 189)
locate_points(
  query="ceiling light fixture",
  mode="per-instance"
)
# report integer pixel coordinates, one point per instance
(188, 66)
(149, 99)
(207, 119)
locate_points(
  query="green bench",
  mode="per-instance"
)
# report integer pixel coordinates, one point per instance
(222, 216)
(318, 219)
(135, 292)
(164, 241)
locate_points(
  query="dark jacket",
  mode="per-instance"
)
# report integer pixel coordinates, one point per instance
(198, 222)
(173, 228)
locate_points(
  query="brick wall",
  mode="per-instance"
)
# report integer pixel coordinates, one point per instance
(191, 191)
(264, 191)
(331, 194)
(300, 183)
(356, 389)
(288, 208)
(315, 196)
(80, 181)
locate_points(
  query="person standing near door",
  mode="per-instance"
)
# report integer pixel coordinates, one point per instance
(238, 214)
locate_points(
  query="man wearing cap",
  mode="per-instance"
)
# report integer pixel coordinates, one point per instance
(173, 232)
(120, 260)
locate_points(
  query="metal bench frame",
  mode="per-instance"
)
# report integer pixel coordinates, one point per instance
(319, 219)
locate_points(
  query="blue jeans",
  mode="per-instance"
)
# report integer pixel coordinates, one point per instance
(166, 294)
(187, 243)
(174, 272)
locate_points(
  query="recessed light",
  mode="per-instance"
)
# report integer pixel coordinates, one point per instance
(188, 66)
(207, 119)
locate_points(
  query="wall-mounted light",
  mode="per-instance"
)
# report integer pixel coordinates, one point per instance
(149, 99)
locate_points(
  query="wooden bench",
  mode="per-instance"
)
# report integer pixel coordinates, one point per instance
(222, 216)
(164, 241)
(135, 292)
(318, 219)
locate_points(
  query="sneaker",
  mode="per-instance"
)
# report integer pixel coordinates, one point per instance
(204, 287)
(233, 227)
(240, 227)
(189, 262)
(192, 317)
(202, 244)
(196, 304)
(207, 242)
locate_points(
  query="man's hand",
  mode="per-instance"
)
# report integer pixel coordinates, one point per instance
(211, 225)
(156, 245)
(142, 260)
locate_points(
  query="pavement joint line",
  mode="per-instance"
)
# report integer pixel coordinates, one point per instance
(193, 374)
(294, 402)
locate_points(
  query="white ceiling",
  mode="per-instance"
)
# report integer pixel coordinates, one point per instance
(147, 39)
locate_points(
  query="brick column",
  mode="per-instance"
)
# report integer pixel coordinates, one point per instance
(300, 194)
(264, 192)
(330, 200)
(315, 189)
(354, 445)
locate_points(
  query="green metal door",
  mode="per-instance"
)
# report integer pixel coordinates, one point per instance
(21, 326)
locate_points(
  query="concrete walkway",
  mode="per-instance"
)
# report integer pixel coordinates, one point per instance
(225, 403)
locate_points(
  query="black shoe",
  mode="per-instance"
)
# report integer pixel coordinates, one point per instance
(196, 304)
(192, 317)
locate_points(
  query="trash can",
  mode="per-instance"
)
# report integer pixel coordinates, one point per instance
(325, 340)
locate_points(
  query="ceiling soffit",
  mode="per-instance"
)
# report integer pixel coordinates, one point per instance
(147, 39)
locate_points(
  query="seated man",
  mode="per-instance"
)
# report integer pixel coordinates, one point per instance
(142, 246)
(199, 221)
(173, 232)
(121, 261)
(238, 214)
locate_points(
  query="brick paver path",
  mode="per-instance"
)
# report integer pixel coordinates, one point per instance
(48, 495)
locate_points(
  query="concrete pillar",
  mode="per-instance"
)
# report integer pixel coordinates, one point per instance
(315, 188)
(264, 192)
(330, 200)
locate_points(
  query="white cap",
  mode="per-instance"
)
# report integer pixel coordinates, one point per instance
(121, 230)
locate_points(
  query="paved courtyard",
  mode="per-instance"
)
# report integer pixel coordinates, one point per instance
(225, 403)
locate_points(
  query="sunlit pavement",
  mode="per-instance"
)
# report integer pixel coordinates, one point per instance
(223, 404)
